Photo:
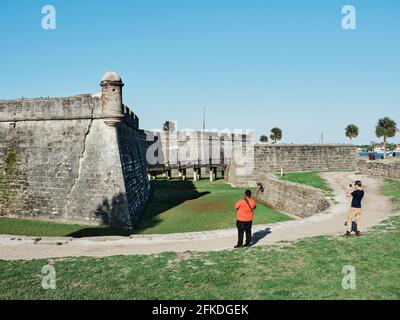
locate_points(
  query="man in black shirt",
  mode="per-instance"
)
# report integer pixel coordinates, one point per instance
(356, 191)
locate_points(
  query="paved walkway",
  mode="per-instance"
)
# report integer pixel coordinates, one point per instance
(331, 223)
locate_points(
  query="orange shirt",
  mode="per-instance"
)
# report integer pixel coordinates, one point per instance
(244, 213)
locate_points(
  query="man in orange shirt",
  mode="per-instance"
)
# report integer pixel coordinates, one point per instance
(245, 211)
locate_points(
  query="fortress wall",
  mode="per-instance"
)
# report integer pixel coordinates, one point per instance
(72, 160)
(195, 147)
(268, 159)
(39, 109)
(389, 168)
(132, 149)
(294, 158)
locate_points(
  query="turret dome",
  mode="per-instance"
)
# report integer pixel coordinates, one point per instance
(111, 76)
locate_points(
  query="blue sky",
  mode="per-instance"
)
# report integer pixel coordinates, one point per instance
(253, 64)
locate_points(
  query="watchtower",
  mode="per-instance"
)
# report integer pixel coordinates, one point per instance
(111, 98)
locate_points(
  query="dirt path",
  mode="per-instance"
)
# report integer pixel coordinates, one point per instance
(376, 208)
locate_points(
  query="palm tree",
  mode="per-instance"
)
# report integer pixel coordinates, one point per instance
(352, 131)
(263, 138)
(169, 126)
(276, 134)
(386, 128)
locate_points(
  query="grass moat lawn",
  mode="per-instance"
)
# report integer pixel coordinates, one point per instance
(312, 179)
(308, 269)
(174, 206)
(186, 206)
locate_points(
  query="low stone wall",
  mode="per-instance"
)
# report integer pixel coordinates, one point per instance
(381, 168)
(308, 157)
(272, 158)
(291, 198)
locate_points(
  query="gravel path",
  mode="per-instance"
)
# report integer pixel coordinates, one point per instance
(331, 223)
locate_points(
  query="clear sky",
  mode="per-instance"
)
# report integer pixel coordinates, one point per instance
(252, 63)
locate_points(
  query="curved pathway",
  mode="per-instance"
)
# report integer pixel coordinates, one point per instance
(330, 223)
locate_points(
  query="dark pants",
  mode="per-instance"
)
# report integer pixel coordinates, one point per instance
(242, 228)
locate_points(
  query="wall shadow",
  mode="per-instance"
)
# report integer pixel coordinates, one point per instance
(164, 195)
(108, 212)
(101, 232)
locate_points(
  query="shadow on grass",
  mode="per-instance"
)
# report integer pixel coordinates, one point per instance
(164, 196)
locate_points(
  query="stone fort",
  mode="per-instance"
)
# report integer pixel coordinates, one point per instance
(79, 159)
(84, 159)
(197, 151)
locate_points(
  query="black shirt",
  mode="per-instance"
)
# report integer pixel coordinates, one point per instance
(358, 195)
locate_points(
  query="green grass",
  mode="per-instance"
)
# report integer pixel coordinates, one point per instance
(174, 206)
(35, 228)
(186, 206)
(391, 189)
(312, 179)
(309, 269)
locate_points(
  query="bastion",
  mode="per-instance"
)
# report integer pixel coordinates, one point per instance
(79, 159)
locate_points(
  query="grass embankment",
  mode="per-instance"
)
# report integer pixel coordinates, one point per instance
(312, 179)
(174, 206)
(309, 269)
(34, 228)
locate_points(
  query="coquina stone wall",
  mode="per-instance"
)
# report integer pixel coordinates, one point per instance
(291, 198)
(389, 168)
(268, 159)
(78, 159)
(188, 147)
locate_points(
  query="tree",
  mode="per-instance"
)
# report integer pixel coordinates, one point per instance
(169, 126)
(352, 131)
(386, 128)
(276, 134)
(263, 138)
